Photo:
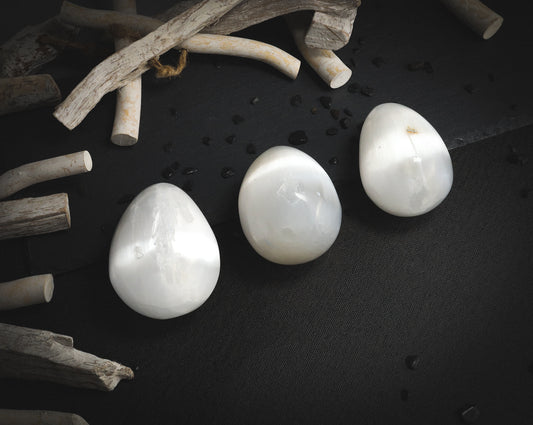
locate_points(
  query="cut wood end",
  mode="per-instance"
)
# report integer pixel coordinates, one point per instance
(341, 79)
(87, 161)
(123, 139)
(48, 290)
(493, 28)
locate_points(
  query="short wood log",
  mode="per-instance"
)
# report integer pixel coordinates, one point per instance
(34, 216)
(26, 291)
(31, 92)
(36, 354)
(39, 417)
(478, 17)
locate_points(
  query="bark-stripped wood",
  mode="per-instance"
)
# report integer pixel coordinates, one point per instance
(26, 291)
(30, 92)
(130, 62)
(39, 417)
(34, 216)
(36, 354)
(478, 17)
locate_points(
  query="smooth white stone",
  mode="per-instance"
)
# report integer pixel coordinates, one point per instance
(404, 164)
(288, 206)
(164, 259)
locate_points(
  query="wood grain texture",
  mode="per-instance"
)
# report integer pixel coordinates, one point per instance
(36, 354)
(29, 92)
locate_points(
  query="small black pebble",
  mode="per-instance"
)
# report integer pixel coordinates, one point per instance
(237, 119)
(296, 100)
(333, 161)
(125, 199)
(314, 110)
(298, 137)
(206, 140)
(404, 395)
(348, 112)
(367, 91)
(335, 113)
(353, 88)
(345, 123)
(326, 101)
(470, 414)
(378, 61)
(332, 131)
(416, 66)
(227, 172)
(189, 170)
(491, 77)
(187, 186)
(428, 67)
(168, 147)
(175, 165)
(412, 362)
(167, 173)
(231, 138)
(254, 100)
(250, 149)
(470, 88)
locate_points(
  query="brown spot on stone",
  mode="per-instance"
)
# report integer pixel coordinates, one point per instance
(411, 130)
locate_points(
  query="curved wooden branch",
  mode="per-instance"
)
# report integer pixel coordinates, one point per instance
(39, 417)
(26, 291)
(48, 169)
(478, 17)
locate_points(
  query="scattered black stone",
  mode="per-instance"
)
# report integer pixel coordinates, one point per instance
(345, 123)
(231, 138)
(314, 110)
(187, 186)
(333, 161)
(348, 112)
(513, 107)
(296, 100)
(175, 165)
(404, 395)
(206, 140)
(353, 88)
(368, 91)
(335, 113)
(254, 100)
(125, 199)
(412, 362)
(428, 67)
(416, 66)
(173, 112)
(298, 137)
(524, 193)
(189, 171)
(167, 173)
(227, 172)
(250, 149)
(326, 101)
(168, 147)
(237, 119)
(378, 61)
(470, 88)
(491, 77)
(470, 414)
(332, 131)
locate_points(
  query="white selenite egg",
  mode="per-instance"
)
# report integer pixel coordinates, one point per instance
(164, 259)
(288, 207)
(405, 166)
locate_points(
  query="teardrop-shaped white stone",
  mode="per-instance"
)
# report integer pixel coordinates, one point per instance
(404, 164)
(164, 259)
(288, 206)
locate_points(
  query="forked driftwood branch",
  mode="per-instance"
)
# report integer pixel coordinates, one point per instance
(26, 291)
(29, 92)
(36, 354)
(39, 417)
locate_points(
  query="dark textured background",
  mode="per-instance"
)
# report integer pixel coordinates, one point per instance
(323, 342)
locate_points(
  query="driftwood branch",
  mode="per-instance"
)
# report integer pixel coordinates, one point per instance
(34, 216)
(42, 355)
(325, 63)
(251, 12)
(48, 169)
(27, 50)
(128, 105)
(199, 43)
(26, 291)
(478, 17)
(130, 62)
(39, 417)
(31, 92)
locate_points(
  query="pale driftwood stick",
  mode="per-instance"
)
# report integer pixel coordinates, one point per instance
(30, 92)
(39, 417)
(478, 17)
(130, 62)
(26, 52)
(26, 291)
(251, 12)
(48, 169)
(199, 43)
(45, 356)
(332, 30)
(128, 107)
(326, 63)
(34, 216)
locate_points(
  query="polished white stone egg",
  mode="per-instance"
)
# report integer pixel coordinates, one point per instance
(164, 259)
(288, 207)
(405, 167)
